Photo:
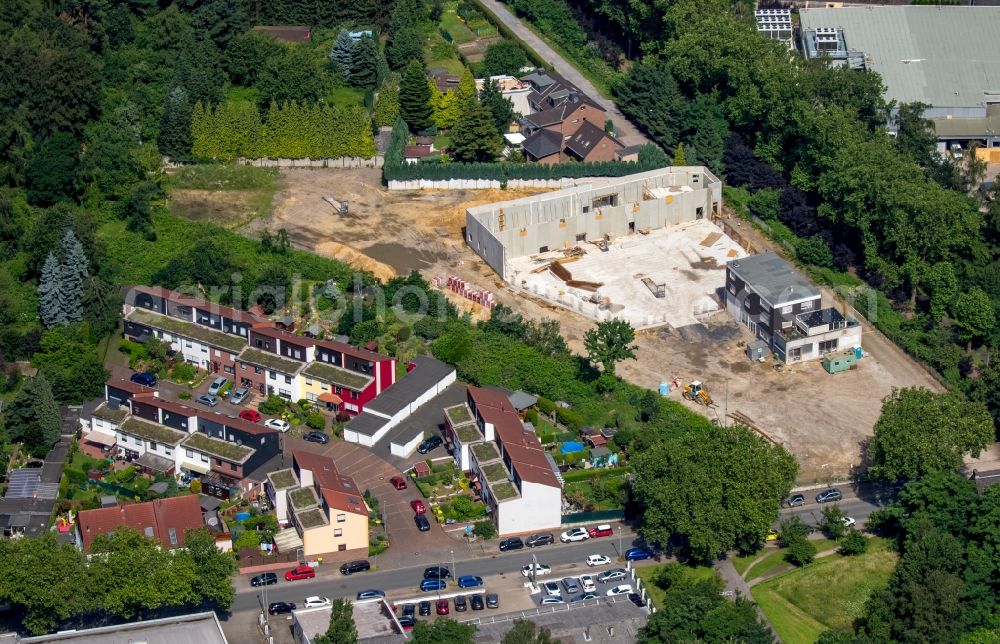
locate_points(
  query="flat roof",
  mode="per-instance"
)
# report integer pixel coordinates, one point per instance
(425, 375)
(219, 448)
(338, 375)
(197, 628)
(232, 343)
(151, 431)
(773, 278)
(270, 360)
(366, 424)
(942, 56)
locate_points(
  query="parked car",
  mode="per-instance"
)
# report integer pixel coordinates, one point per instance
(371, 593)
(598, 560)
(264, 579)
(146, 379)
(849, 521)
(623, 589)
(551, 588)
(409, 610)
(511, 543)
(829, 495)
(205, 399)
(540, 569)
(398, 482)
(796, 500)
(437, 572)
(407, 622)
(418, 506)
(217, 386)
(569, 583)
(316, 601)
(316, 437)
(422, 523)
(425, 608)
(278, 608)
(637, 554)
(551, 599)
(352, 567)
(430, 444)
(492, 600)
(239, 396)
(584, 597)
(637, 600)
(428, 585)
(587, 583)
(603, 530)
(574, 534)
(460, 604)
(612, 575)
(250, 415)
(442, 607)
(476, 602)
(536, 540)
(277, 423)
(470, 581)
(300, 572)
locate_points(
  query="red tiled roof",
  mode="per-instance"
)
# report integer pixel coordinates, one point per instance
(180, 513)
(340, 492)
(417, 151)
(348, 502)
(147, 398)
(522, 446)
(129, 386)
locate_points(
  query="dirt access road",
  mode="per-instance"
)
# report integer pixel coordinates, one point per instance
(820, 418)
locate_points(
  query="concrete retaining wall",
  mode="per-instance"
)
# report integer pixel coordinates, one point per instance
(484, 184)
(341, 162)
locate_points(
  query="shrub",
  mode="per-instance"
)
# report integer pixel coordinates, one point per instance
(380, 545)
(854, 543)
(833, 522)
(800, 552)
(195, 486)
(546, 406)
(424, 487)
(183, 372)
(792, 529)
(531, 416)
(316, 420)
(570, 418)
(184, 395)
(485, 530)
(273, 405)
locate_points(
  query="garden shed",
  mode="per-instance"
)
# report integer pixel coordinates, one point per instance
(600, 456)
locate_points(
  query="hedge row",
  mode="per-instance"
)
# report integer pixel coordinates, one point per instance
(593, 473)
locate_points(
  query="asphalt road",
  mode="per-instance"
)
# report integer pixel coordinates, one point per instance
(510, 563)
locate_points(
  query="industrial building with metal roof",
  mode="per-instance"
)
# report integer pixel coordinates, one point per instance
(945, 57)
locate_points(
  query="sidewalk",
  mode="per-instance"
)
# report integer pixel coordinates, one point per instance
(628, 133)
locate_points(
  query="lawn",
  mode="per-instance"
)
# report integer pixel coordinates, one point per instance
(441, 53)
(346, 96)
(648, 575)
(776, 558)
(454, 25)
(827, 594)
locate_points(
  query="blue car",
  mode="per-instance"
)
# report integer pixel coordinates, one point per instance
(469, 581)
(433, 584)
(637, 554)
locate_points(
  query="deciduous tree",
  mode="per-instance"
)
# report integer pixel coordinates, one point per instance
(504, 58)
(610, 342)
(974, 315)
(341, 629)
(920, 432)
(443, 631)
(52, 171)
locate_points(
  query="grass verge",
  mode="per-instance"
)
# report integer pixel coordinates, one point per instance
(649, 574)
(777, 558)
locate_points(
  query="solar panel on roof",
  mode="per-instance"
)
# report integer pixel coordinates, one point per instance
(23, 483)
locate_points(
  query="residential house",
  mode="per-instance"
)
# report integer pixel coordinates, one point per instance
(326, 509)
(782, 308)
(416, 153)
(513, 89)
(166, 520)
(444, 80)
(592, 144)
(513, 475)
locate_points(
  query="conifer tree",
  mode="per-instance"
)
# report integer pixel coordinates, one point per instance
(75, 272)
(200, 126)
(174, 137)
(498, 105)
(446, 110)
(414, 97)
(474, 138)
(51, 295)
(387, 102)
(33, 416)
(679, 157)
(466, 90)
(342, 54)
(405, 41)
(364, 64)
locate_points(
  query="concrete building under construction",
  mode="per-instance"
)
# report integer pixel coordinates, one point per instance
(593, 210)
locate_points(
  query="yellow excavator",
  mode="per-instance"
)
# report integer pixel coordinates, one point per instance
(697, 392)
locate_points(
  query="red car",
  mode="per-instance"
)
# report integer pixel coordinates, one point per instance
(418, 506)
(600, 531)
(300, 572)
(250, 415)
(442, 607)
(398, 482)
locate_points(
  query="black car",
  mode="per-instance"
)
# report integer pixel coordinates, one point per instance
(437, 572)
(539, 540)
(460, 604)
(277, 608)
(493, 600)
(425, 608)
(422, 523)
(511, 543)
(265, 579)
(476, 601)
(407, 622)
(317, 437)
(146, 379)
(409, 610)
(352, 567)
(431, 443)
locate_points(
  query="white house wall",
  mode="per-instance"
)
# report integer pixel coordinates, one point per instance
(538, 508)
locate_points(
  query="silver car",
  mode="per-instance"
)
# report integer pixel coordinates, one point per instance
(217, 386)
(239, 396)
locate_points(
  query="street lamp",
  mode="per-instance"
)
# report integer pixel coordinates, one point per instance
(454, 574)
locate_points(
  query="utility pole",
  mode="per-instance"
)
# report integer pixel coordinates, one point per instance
(454, 573)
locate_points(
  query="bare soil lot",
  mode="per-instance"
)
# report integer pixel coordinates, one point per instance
(821, 419)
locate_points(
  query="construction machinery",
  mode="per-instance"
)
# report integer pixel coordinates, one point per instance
(697, 392)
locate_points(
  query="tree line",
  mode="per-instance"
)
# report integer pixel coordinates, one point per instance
(290, 130)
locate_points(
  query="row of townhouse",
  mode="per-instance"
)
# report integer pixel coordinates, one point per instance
(326, 510)
(256, 353)
(510, 470)
(160, 436)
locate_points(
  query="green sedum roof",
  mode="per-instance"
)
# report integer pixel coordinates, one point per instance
(485, 452)
(283, 479)
(459, 414)
(311, 518)
(152, 431)
(303, 498)
(270, 360)
(338, 375)
(189, 329)
(220, 448)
